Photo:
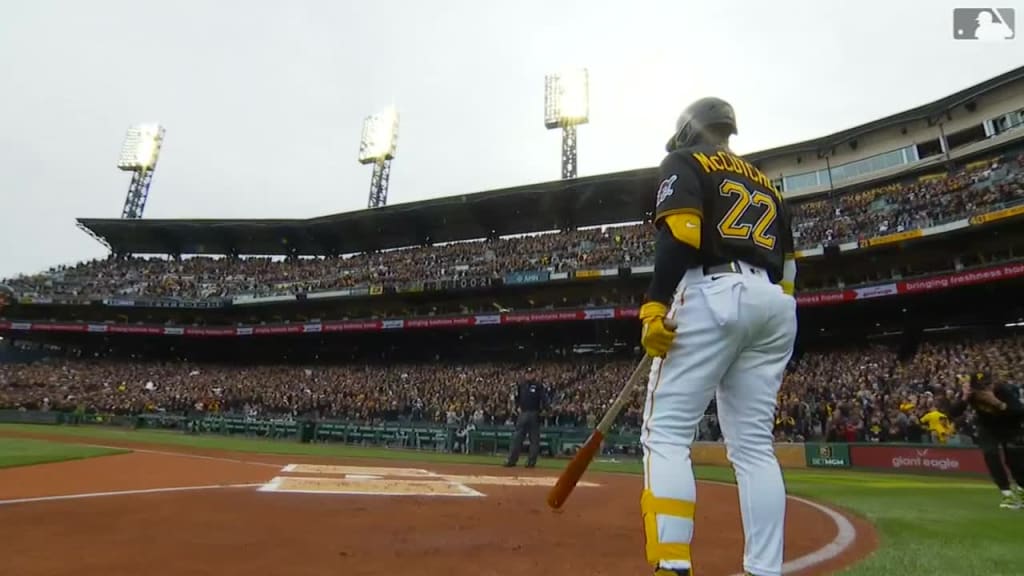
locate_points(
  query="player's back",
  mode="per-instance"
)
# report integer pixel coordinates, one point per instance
(744, 215)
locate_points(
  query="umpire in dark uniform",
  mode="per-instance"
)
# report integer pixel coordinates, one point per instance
(531, 399)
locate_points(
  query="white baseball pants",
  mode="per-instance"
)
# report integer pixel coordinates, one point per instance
(734, 338)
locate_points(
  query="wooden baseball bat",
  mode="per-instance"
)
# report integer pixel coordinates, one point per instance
(567, 481)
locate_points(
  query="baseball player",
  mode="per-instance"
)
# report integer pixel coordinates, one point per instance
(724, 272)
(1000, 420)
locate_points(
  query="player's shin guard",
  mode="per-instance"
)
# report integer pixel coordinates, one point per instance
(667, 554)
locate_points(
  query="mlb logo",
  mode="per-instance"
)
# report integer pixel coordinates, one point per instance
(985, 24)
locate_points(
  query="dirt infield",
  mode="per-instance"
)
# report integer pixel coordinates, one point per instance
(163, 511)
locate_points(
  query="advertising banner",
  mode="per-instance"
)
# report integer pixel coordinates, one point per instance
(963, 278)
(981, 275)
(924, 458)
(827, 455)
(176, 303)
(532, 277)
(118, 302)
(997, 215)
(891, 238)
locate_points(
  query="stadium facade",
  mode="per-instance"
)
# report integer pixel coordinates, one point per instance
(889, 251)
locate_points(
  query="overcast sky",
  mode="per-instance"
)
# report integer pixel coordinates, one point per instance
(263, 101)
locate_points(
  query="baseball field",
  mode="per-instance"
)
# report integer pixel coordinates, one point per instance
(90, 500)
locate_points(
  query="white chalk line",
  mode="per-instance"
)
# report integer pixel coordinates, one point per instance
(846, 535)
(274, 485)
(187, 455)
(471, 494)
(125, 493)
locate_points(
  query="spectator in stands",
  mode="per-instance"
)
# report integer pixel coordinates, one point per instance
(851, 216)
(854, 395)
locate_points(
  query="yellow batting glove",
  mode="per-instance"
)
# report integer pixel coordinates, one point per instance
(656, 337)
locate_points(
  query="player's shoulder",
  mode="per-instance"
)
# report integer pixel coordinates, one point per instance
(679, 162)
(700, 158)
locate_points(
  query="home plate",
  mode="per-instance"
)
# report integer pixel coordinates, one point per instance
(510, 481)
(356, 470)
(374, 486)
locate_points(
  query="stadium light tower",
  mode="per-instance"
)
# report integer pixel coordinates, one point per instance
(566, 106)
(377, 147)
(139, 154)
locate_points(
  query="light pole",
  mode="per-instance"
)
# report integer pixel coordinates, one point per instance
(566, 106)
(377, 147)
(139, 154)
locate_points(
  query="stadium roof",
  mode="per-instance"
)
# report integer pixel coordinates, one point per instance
(590, 201)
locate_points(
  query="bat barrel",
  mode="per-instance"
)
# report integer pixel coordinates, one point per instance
(567, 481)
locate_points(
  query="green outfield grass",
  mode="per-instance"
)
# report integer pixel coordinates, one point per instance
(23, 452)
(926, 524)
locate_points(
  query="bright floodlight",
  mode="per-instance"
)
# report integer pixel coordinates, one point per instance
(567, 98)
(141, 147)
(380, 137)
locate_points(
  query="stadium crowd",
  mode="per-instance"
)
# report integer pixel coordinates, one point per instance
(855, 395)
(843, 218)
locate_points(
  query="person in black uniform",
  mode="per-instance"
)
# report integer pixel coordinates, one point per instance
(1000, 423)
(531, 398)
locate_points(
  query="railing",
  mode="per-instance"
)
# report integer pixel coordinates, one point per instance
(436, 437)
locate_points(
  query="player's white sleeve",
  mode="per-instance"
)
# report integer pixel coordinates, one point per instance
(788, 276)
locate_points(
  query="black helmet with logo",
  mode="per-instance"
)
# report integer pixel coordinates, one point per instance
(980, 380)
(697, 118)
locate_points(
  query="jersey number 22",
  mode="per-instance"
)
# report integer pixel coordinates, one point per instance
(731, 225)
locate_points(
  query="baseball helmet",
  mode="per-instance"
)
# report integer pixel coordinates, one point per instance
(980, 379)
(699, 116)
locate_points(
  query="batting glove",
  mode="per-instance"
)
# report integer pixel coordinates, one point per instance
(656, 337)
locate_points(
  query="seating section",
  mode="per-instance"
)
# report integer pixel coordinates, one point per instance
(849, 217)
(851, 395)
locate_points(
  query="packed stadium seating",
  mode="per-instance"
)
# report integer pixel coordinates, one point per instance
(865, 394)
(847, 217)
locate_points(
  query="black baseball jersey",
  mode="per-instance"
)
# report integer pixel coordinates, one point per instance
(743, 215)
(1006, 424)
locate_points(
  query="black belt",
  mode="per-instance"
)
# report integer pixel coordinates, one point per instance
(727, 268)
